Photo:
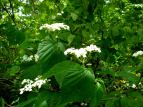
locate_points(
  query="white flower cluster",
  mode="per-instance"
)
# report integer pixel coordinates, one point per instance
(83, 104)
(82, 52)
(27, 58)
(138, 53)
(92, 48)
(59, 14)
(137, 5)
(133, 86)
(55, 26)
(29, 84)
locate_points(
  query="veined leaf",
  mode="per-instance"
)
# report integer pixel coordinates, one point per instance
(76, 82)
(68, 73)
(31, 72)
(48, 48)
(99, 91)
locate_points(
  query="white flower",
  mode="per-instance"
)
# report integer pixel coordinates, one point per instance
(28, 87)
(24, 58)
(92, 48)
(81, 53)
(36, 57)
(22, 90)
(27, 81)
(59, 14)
(41, 0)
(133, 86)
(29, 84)
(69, 51)
(83, 104)
(30, 58)
(27, 58)
(88, 64)
(138, 53)
(55, 26)
(77, 52)
(137, 5)
(38, 83)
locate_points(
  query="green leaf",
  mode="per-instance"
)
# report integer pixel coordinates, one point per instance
(125, 101)
(70, 39)
(99, 92)
(31, 72)
(74, 16)
(76, 82)
(50, 53)
(48, 48)
(41, 100)
(14, 70)
(48, 99)
(2, 102)
(68, 73)
(109, 104)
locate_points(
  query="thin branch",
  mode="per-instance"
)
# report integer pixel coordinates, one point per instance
(12, 10)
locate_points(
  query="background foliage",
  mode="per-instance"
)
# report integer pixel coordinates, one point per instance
(112, 79)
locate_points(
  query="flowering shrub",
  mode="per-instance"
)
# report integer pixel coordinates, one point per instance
(56, 74)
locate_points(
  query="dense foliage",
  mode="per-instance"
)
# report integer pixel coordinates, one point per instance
(71, 53)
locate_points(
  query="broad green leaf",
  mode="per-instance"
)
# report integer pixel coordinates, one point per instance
(68, 73)
(31, 72)
(48, 48)
(76, 82)
(49, 99)
(99, 92)
(50, 53)
(124, 101)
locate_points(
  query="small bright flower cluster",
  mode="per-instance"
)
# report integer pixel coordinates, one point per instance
(138, 53)
(133, 86)
(83, 104)
(55, 26)
(137, 5)
(59, 14)
(82, 52)
(137, 86)
(27, 58)
(29, 84)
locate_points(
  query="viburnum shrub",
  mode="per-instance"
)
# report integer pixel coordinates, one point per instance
(71, 53)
